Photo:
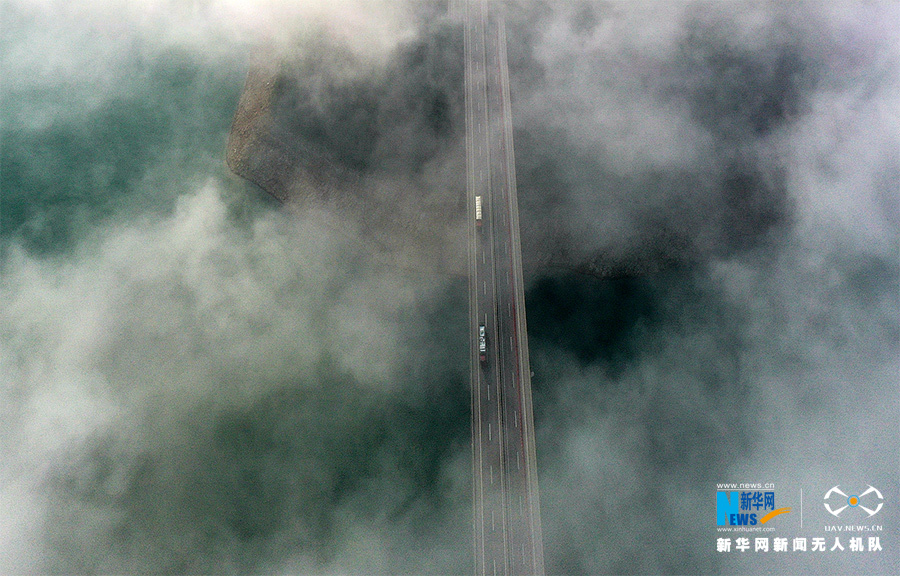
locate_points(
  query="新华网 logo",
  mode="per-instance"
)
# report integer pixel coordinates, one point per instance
(837, 501)
(746, 508)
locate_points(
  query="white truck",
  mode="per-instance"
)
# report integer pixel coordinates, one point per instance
(478, 210)
(482, 344)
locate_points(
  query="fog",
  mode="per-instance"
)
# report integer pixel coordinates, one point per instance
(196, 380)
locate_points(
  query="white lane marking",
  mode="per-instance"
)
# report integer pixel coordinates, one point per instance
(524, 558)
(492, 520)
(518, 463)
(516, 418)
(492, 479)
(510, 342)
(484, 286)
(483, 256)
(489, 392)
(495, 568)
(489, 430)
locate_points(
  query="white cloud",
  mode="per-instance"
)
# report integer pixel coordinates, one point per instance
(150, 322)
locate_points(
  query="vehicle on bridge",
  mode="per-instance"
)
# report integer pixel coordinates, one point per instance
(482, 344)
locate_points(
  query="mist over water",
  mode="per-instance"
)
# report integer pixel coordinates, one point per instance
(196, 381)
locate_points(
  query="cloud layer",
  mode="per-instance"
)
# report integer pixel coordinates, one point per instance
(195, 381)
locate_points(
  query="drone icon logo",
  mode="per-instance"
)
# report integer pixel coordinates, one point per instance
(852, 501)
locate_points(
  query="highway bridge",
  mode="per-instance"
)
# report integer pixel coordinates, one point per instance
(506, 504)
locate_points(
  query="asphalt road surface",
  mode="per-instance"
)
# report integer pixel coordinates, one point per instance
(506, 504)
